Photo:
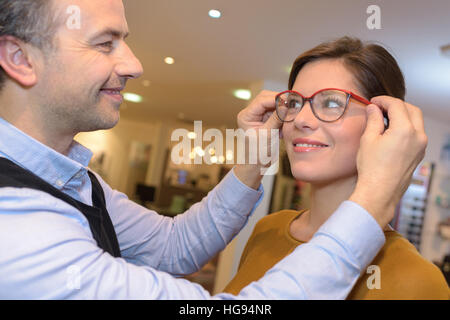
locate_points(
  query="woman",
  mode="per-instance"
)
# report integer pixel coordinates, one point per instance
(324, 118)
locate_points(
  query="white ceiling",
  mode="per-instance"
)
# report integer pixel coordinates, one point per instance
(259, 39)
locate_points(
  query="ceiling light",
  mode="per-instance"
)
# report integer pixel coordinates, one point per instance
(132, 97)
(242, 94)
(169, 60)
(216, 14)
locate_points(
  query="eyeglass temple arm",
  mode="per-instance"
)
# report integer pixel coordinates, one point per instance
(360, 99)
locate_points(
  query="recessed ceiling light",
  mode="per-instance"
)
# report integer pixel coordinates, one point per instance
(132, 97)
(242, 94)
(216, 14)
(169, 60)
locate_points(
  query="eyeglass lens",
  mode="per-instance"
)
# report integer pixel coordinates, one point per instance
(328, 105)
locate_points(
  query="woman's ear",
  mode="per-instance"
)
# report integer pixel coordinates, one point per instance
(16, 61)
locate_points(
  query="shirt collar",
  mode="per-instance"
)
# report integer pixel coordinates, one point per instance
(43, 161)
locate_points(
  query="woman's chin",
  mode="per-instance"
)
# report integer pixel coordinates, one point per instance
(318, 180)
(321, 177)
(305, 172)
(304, 175)
(312, 174)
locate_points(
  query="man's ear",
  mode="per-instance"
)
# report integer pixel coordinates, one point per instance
(16, 61)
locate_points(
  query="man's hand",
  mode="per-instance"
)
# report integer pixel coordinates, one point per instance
(259, 115)
(387, 159)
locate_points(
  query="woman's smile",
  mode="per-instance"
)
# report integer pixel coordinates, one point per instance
(307, 145)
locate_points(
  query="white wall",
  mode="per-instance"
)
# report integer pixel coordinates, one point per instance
(116, 144)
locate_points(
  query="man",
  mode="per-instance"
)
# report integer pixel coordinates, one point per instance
(67, 235)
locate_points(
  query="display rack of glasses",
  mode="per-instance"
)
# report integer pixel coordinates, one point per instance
(411, 209)
(443, 202)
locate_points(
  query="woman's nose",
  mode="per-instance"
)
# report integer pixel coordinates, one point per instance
(306, 118)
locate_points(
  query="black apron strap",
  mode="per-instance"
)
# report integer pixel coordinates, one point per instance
(102, 228)
(107, 228)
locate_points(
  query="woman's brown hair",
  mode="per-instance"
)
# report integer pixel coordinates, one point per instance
(374, 68)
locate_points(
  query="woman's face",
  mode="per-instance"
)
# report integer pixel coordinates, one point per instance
(338, 159)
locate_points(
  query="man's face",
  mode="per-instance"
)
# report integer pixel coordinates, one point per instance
(78, 84)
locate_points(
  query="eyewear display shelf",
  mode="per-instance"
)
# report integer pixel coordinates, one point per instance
(411, 210)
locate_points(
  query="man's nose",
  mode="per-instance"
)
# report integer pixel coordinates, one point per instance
(128, 66)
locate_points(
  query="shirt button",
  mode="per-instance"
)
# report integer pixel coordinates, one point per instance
(59, 183)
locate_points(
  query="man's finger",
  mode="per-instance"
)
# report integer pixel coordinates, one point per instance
(273, 122)
(416, 116)
(263, 103)
(375, 125)
(396, 110)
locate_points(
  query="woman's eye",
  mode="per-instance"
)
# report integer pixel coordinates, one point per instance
(294, 104)
(333, 104)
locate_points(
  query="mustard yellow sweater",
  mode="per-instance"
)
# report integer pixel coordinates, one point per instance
(404, 273)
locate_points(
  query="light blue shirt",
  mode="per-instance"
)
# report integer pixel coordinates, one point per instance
(47, 250)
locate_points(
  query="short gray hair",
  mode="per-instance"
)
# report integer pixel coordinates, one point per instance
(32, 21)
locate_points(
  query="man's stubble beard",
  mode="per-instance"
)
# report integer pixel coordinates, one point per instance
(81, 113)
(72, 108)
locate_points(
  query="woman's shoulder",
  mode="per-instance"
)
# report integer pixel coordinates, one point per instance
(396, 244)
(419, 277)
(399, 247)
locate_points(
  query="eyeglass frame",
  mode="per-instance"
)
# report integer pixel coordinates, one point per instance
(349, 95)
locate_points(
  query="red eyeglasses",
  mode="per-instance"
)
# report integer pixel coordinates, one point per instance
(327, 105)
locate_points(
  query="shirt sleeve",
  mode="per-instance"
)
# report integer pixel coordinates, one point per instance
(55, 257)
(183, 244)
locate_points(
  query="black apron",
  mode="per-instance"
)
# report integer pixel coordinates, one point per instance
(12, 175)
